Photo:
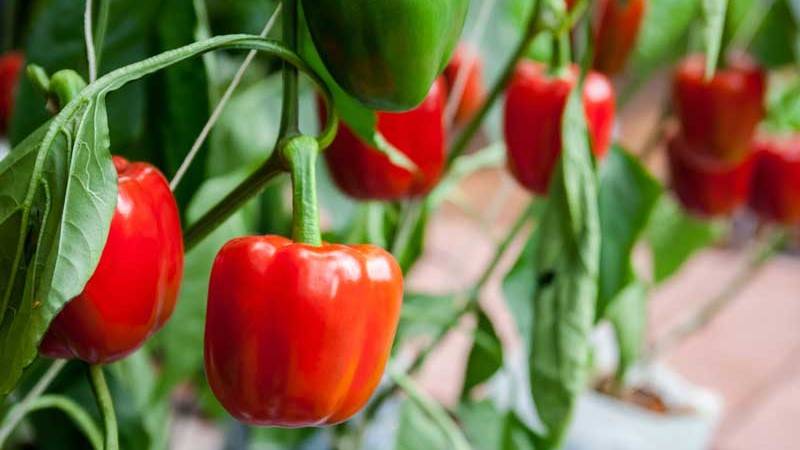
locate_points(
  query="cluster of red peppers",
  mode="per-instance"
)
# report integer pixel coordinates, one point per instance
(717, 160)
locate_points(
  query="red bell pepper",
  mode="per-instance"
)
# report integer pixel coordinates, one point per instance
(473, 93)
(364, 173)
(775, 193)
(534, 108)
(10, 67)
(298, 335)
(719, 117)
(134, 289)
(705, 186)
(615, 28)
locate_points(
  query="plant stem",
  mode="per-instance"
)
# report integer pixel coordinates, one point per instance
(471, 301)
(100, 31)
(74, 411)
(461, 142)
(218, 214)
(729, 293)
(290, 108)
(301, 155)
(106, 407)
(16, 414)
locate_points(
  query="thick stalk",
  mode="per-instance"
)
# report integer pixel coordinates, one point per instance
(250, 187)
(106, 406)
(300, 154)
(461, 142)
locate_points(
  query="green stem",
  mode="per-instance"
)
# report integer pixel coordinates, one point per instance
(461, 142)
(562, 55)
(218, 214)
(16, 414)
(290, 109)
(100, 31)
(300, 153)
(74, 411)
(106, 407)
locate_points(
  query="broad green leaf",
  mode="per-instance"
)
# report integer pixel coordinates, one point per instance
(674, 237)
(178, 99)
(714, 12)
(416, 430)
(517, 435)
(783, 103)
(486, 356)
(58, 191)
(628, 194)
(424, 315)
(566, 260)
(628, 316)
(483, 424)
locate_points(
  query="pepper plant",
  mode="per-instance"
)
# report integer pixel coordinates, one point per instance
(177, 276)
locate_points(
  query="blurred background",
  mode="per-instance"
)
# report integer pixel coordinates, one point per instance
(719, 360)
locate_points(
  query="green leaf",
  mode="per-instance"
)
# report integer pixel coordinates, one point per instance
(566, 259)
(424, 315)
(416, 430)
(714, 18)
(628, 194)
(517, 435)
(628, 316)
(519, 288)
(178, 99)
(483, 424)
(58, 191)
(783, 103)
(777, 41)
(486, 356)
(674, 237)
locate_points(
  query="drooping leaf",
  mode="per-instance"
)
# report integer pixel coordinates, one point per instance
(714, 12)
(58, 191)
(628, 194)
(566, 260)
(674, 237)
(486, 355)
(519, 289)
(628, 316)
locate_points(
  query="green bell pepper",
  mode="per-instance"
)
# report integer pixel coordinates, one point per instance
(385, 53)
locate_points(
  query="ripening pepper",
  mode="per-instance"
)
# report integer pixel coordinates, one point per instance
(534, 107)
(364, 173)
(719, 117)
(705, 186)
(299, 335)
(775, 190)
(385, 53)
(473, 92)
(616, 27)
(10, 66)
(133, 290)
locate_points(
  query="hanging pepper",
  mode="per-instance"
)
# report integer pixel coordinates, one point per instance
(775, 193)
(133, 291)
(364, 173)
(534, 107)
(719, 117)
(385, 54)
(616, 27)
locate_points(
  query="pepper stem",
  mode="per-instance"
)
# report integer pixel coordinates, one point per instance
(300, 154)
(106, 407)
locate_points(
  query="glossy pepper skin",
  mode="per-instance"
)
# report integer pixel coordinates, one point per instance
(534, 108)
(133, 290)
(719, 117)
(385, 53)
(775, 193)
(707, 187)
(10, 67)
(298, 335)
(616, 28)
(366, 174)
(474, 93)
